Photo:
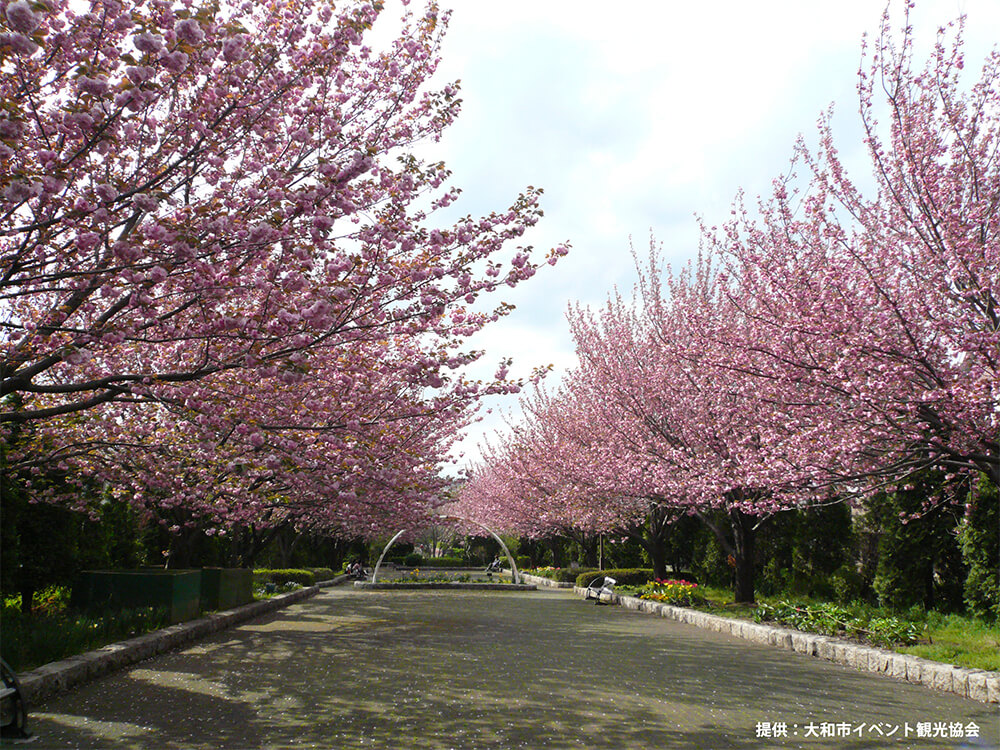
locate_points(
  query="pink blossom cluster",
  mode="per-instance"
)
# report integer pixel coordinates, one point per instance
(222, 288)
(833, 343)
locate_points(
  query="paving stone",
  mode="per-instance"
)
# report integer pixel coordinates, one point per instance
(97, 663)
(975, 685)
(937, 676)
(839, 652)
(993, 687)
(142, 646)
(43, 681)
(801, 643)
(879, 660)
(783, 639)
(758, 634)
(819, 642)
(915, 670)
(960, 681)
(898, 666)
(865, 657)
(826, 648)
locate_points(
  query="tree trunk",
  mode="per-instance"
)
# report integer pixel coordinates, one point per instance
(652, 535)
(658, 556)
(258, 540)
(555, 545)
(287, 541)
(589, 549)
(744, 536)
(27, 596)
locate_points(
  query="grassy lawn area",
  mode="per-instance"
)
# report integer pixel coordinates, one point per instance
(959, 640)
(953, 639)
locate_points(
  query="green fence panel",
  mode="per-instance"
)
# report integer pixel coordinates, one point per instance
(225, 588)
(177, 591)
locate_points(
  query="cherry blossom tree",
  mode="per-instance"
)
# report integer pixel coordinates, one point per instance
(571, 467)
(885, 305)
(221, 288)
(834, 341)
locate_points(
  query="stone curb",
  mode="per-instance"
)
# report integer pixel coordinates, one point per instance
(547, 582)
(974, 684)
(443, 585)
(59, 676)
(335, 581)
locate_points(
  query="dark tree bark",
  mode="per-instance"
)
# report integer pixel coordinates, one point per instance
(744, 535)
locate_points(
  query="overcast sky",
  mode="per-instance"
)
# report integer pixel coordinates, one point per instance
(635, 119)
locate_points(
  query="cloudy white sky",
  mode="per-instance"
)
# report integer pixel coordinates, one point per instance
(636, 118)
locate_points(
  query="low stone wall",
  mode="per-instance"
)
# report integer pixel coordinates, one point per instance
(547, 582)
(59, 676)
(975, 684)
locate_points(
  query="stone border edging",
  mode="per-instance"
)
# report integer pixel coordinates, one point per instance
(59, 676)
(974, 684)
(335, 581)
(444, 585)
(548, 582)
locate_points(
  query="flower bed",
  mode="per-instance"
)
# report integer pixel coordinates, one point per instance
(678, 593)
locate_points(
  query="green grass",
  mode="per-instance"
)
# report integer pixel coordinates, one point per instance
(960, 640)
(45, 636)
(952, 639)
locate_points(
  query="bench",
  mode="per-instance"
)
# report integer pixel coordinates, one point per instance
(601, 590)
(13, 714)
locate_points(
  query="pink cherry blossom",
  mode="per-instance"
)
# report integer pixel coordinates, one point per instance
(238, 242)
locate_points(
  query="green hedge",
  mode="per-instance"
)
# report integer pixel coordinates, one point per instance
(322, 574)
(562, 575)
(443, 562)
(284, 575)
(622, 576)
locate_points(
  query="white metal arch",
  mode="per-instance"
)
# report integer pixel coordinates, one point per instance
(514, 574)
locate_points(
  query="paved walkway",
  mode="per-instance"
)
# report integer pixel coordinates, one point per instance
(449, 669)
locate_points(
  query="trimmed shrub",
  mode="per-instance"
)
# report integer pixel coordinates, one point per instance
(562, 575)
(284, 575)
(444, 562)
(322, 574)
(413, 560)
(622, 576)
